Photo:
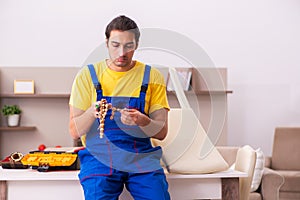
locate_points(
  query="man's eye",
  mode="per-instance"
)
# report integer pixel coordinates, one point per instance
(129, 46)
(115, 45)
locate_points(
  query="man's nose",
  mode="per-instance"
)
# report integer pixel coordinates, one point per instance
(122, 51)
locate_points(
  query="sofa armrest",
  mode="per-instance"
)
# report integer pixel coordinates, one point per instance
(270, 184)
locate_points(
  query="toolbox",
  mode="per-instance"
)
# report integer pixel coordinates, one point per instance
(51, 160)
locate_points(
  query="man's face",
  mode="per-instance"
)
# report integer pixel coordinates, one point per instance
(121, 46)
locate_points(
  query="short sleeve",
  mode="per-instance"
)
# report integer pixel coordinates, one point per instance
(81, 94)
(158, 90)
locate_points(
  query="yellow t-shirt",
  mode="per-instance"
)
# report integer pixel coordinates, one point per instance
(126, 84)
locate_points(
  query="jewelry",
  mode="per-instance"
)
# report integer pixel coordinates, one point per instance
(102, 109)
(16, 156)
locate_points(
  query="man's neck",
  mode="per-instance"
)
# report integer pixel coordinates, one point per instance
(113, 67)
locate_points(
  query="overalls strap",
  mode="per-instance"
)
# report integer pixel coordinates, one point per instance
(94, 77)
(145, 82)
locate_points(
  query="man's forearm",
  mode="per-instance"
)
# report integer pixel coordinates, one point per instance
(81, 124)
(156, 129)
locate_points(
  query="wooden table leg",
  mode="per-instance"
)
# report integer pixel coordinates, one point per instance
(230, 188)
(3, 190)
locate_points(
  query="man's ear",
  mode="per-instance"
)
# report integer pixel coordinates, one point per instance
(137, 44)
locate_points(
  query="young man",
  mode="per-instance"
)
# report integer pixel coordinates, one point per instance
(137, 111)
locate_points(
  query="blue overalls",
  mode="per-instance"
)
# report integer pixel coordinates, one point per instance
(123, 156)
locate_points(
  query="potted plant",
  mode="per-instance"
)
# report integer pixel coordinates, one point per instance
(12, 112)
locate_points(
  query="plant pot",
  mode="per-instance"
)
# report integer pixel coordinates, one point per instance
(13, 120)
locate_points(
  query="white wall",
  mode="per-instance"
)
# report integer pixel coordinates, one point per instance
(258, 41)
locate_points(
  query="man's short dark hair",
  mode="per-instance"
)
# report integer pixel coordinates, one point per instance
(123, 23)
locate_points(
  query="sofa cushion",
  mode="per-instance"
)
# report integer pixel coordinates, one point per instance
(286, 151)
(291, 181)
(289, 195)
(259, 165)
(258, 170)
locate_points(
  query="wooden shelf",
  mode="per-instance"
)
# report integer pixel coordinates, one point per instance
(34, 95)
(204, 92)
(212, 92)
(17, 128)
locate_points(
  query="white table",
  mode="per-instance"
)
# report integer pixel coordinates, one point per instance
(34, 185)
(220, 185)
(30, 184)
